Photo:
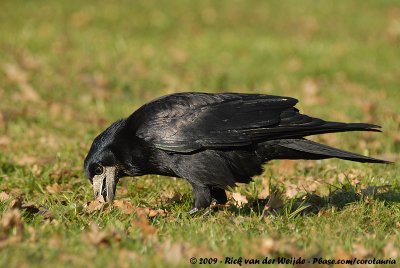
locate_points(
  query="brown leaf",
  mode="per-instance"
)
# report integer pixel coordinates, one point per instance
(26, 160)
(11, 228)
(265, 188)
(125, 206)
(341, 254)
(158, 212)
(15, 74)
(390, 250)
(4, 196)
(16, 203)
(2, 121)
(95, 205)
(287, 167)
(55, 241)
(142, 222)
(32, 234)
(98, 237)
(4, 141)
(360, 251)
(239, 199)
(11, 219)
(54, 188)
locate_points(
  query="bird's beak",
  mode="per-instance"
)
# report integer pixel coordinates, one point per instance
(105, 184)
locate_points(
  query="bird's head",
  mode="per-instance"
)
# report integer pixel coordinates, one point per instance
(102, 165)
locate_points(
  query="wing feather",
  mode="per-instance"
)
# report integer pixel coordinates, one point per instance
(185, 122)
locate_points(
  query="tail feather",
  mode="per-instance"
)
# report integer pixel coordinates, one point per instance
(316, 149)
(328, 127)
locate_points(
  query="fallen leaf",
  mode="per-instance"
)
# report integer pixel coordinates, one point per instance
(158, 212)
(360, 251)
(32, 234)
(95, 205)
(390, 250)
(239, 199)
(15, 74)
(11, 228)
(142, 222)
(55, 241)
(2, 121)
(54, 188)
(175, 253)
(125, 206)
(26, 160)
(4, 141)
(4, 196)
(16, 203)
(98, 237)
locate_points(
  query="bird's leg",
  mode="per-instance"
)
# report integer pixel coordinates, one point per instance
(202, 198)
(218, 195)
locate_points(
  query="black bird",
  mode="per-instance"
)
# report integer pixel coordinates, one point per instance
(212, 140)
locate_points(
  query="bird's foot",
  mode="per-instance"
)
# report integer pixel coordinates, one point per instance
(193, 211)
(203, 212)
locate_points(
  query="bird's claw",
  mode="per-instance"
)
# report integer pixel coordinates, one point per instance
(206, 211)
(193, 211)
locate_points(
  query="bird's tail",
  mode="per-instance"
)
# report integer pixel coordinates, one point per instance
(306, 149)
(327, 127)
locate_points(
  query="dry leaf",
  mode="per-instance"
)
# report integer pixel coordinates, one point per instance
(16, 203)
(158, 212)
(98, 237)
(125, 206)
(53, 189)
(287, 167)
(175, 253)
(32, 234)
(26, 160)
(360, 251)
(55, 242)
(2, 121)
(342, 255)
(239, 199)
(19, 76)
(390, 250)
(11, 228)
(95, 205)
(15, 74)
(4, 141)
(4, 196)
(142, 222)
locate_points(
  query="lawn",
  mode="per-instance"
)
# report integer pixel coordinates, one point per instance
(70, 68)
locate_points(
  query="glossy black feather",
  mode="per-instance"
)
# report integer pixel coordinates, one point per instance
(215, 140)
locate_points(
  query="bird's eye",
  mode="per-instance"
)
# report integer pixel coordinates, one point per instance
(98, 170)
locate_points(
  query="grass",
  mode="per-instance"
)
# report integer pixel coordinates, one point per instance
(69, 69)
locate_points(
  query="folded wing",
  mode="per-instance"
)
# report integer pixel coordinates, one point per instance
(186, 122)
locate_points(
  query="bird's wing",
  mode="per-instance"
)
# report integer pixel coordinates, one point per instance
(186, 122)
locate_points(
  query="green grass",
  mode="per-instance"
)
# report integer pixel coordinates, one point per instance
(70, 68)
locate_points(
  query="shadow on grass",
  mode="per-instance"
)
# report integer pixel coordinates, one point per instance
(311, 204)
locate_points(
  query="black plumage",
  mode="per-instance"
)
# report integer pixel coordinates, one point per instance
(212, 140)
